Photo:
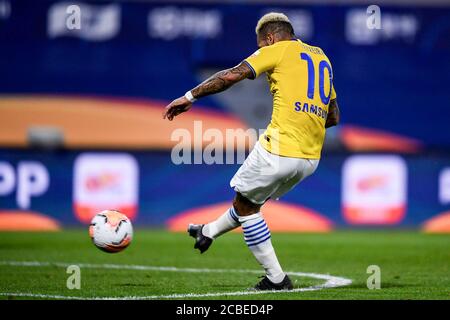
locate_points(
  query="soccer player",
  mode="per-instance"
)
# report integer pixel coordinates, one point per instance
(304, 104)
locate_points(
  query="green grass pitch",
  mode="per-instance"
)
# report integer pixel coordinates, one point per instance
(413, 265)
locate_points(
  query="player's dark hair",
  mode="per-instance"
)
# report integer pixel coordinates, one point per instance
(274, 27)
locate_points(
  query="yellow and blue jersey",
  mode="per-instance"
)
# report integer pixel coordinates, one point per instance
(301, 82)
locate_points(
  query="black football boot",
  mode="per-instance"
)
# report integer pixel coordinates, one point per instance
(266, 284)
(202, 242)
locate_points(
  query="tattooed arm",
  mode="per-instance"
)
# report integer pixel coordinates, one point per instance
(222, 80)
(219, 82)
(334, 114)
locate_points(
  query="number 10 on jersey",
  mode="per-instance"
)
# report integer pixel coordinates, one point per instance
(323, 64)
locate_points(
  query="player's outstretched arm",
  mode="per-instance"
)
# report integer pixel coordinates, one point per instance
(222, 80)
(334, 114)
(219, 82)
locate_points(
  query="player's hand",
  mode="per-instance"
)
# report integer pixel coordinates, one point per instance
(176, 107)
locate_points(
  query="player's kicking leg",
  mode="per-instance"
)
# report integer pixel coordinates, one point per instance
(205, 234)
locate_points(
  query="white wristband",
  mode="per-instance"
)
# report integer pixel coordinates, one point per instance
(188, 95)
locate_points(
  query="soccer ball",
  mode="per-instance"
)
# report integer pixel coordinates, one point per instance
(111, 231)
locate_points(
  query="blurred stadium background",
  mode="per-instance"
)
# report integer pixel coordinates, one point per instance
(81, 127)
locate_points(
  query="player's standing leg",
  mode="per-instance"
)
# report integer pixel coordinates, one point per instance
(257, 236)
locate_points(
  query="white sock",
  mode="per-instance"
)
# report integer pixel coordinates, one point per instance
(257, 237)
(226, 222)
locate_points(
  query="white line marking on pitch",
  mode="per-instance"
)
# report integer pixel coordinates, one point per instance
(330, 281)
